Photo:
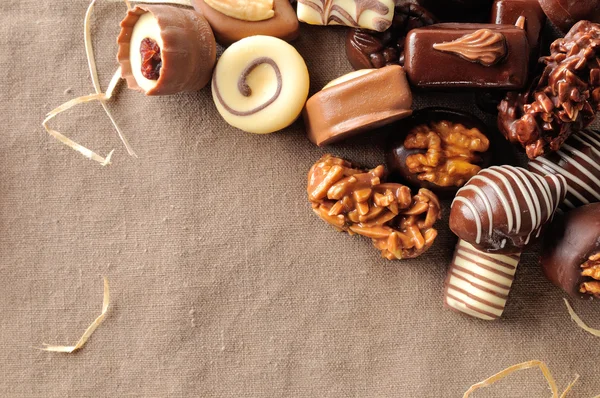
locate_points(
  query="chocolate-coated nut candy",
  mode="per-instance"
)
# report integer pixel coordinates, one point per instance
(565, 13)
(165, 50)
(563, 100)
(504, 208)
(357, 102)
(368, 49)
(571, 252)
(358, 201)
(229, 29)
(453, 55)
(438, 149)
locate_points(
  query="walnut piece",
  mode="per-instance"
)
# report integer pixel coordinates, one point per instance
(451, 152)
(358, 202)
(591, 269)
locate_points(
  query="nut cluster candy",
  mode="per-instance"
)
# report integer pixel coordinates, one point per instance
(565, 98)
(438, 149)
(496, 215)
(359, 202)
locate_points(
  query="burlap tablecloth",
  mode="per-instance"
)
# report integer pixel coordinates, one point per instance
(224, 283)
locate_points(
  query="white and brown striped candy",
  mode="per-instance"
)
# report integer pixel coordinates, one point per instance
(578, 160)
(504, 208)
(478, 283)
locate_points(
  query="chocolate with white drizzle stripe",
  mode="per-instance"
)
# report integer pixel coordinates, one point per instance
(578, 161)
(478, 283)
(504, 208)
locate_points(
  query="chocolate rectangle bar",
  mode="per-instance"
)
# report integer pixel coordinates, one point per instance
(509, 11)
(467, 55)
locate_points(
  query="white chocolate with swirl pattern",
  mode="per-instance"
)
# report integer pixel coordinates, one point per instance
(260, 84)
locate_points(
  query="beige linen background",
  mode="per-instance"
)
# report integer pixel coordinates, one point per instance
(224, 283)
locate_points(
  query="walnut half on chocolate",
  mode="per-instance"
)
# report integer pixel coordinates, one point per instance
(358, 202)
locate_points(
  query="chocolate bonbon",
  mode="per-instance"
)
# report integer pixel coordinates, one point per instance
(357, 102)
(467, 55)
(438, 149)
(571, 252)
(166, 50)
(241, 19)
(565, 13)
(368, 14)
(358, 201)
(495, 215)
(503, 208)
(565, 98)
(260, 84)
(368, 49)
(508, 12)
(578, 161)
(459, 10)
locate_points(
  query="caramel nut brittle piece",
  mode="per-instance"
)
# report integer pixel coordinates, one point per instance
(356, 201)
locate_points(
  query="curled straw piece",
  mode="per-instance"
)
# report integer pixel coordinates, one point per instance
(99, 96)
(580, 322)
(88, 332)
(522, 366)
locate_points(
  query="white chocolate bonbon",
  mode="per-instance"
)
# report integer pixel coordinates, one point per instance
(260, 84)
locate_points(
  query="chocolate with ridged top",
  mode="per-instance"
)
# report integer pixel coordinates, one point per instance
(571, 250)
(503, 208)
(453, 55)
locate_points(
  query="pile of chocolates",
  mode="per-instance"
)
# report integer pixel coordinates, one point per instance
(545, 104)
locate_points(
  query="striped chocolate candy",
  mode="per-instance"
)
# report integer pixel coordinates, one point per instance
(478, 283)
(503, 208)
(495, 215)
(578, 161)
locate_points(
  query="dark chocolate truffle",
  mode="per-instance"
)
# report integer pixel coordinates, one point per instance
(566, 13)
(571, 252)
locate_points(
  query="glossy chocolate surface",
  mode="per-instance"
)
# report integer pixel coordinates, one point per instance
(397, 153)
(503, 208)
(465, 64)
(566, 13)
(284, 25)
(569, 242)
(363, 103)
(578, 161)
(508, 12)
(368, 49)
